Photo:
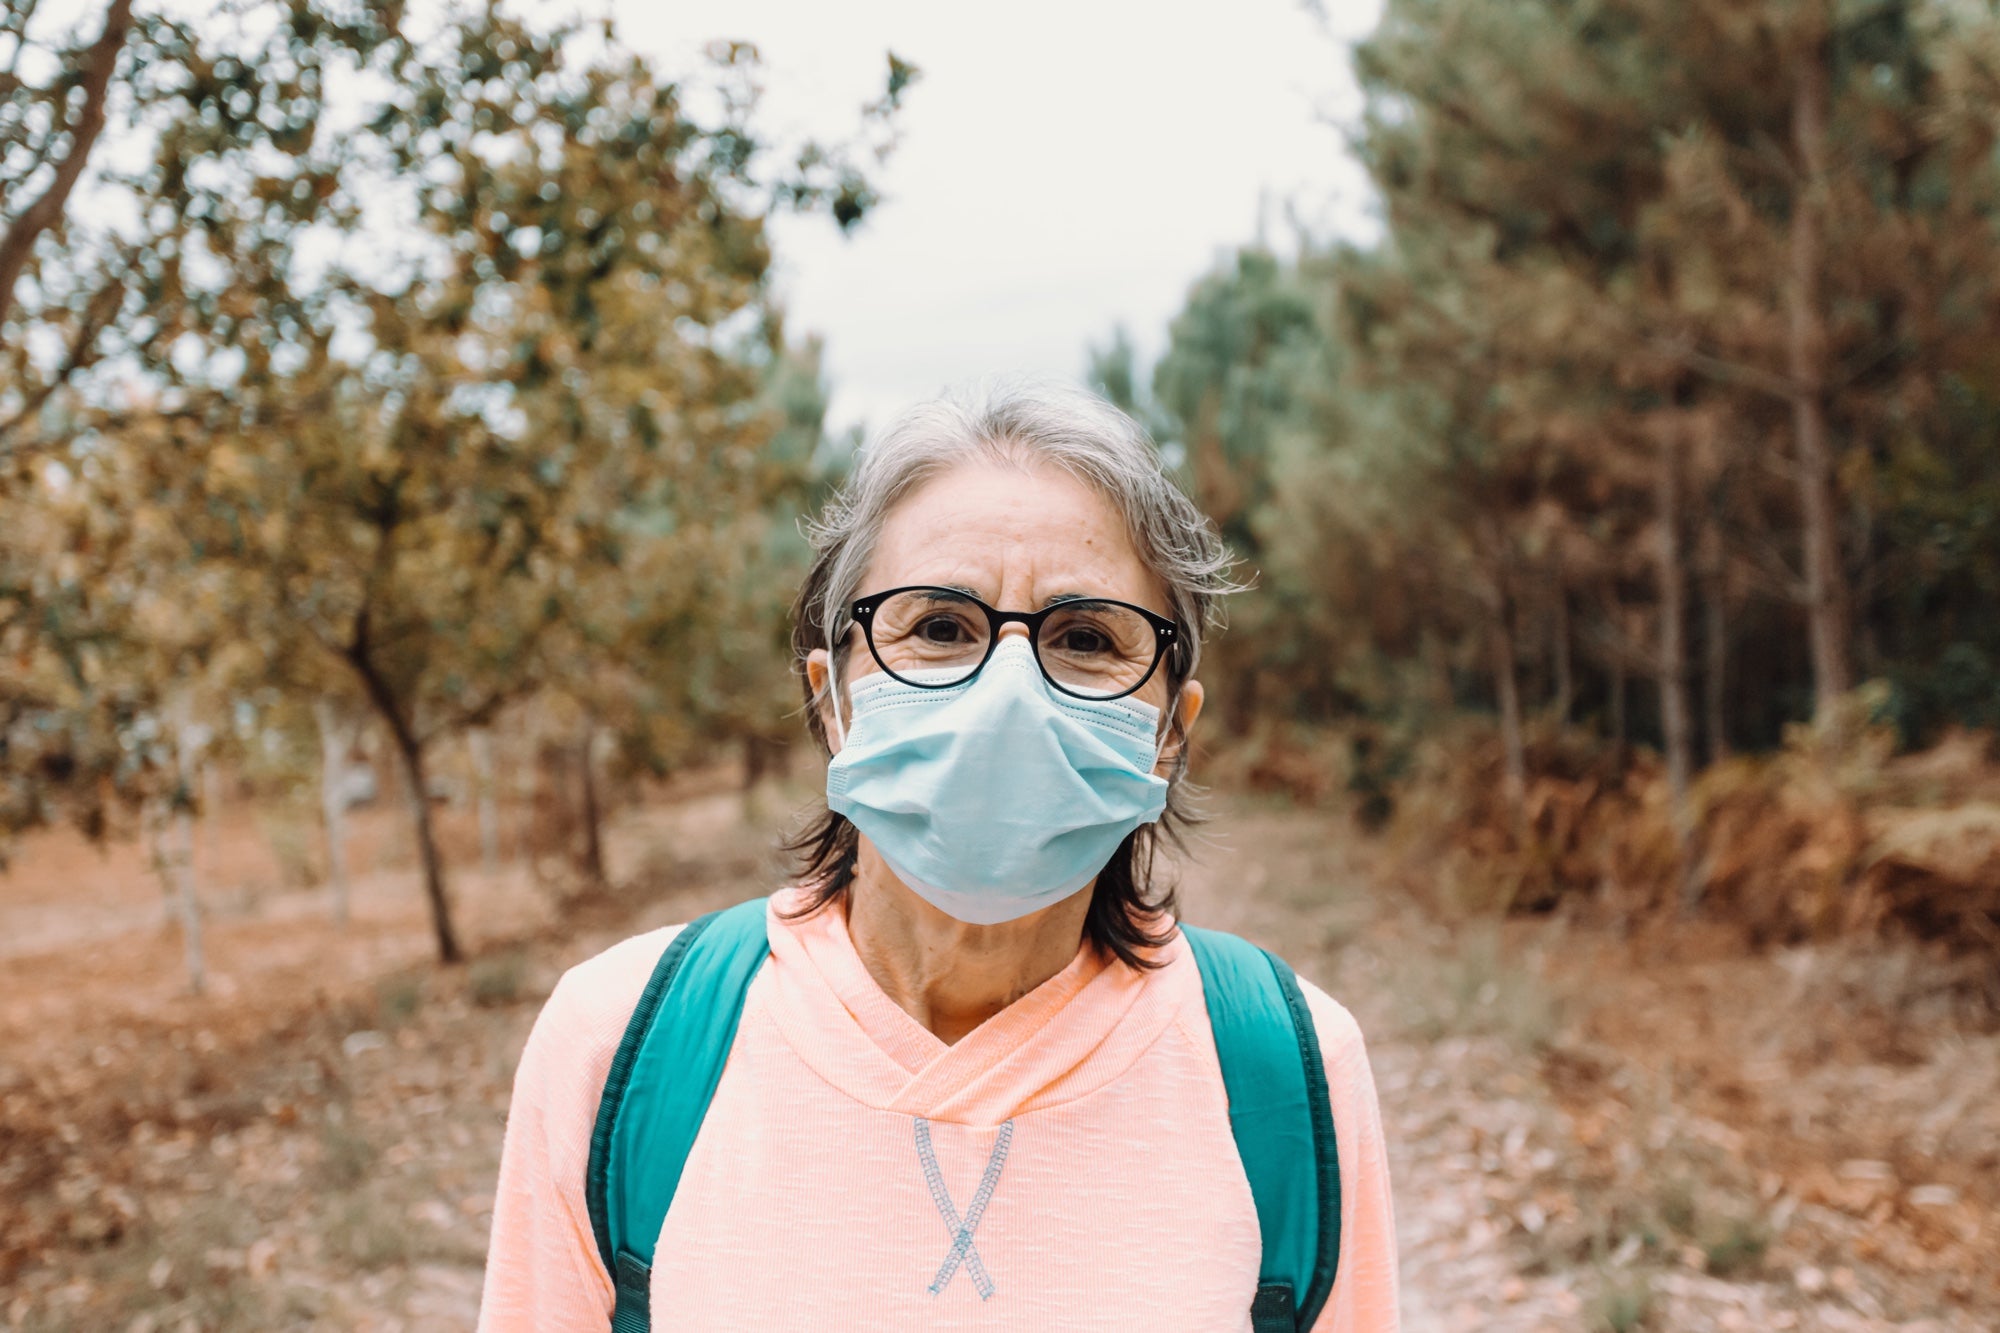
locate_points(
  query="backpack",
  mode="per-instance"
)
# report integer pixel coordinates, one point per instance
(678, 1038)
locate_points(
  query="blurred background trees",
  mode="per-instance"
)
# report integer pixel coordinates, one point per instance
(420, 370)
(1681, 316)
(368, 381)
(402, 446)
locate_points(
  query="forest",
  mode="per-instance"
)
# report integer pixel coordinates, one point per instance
(1632, 505)
(403, 453)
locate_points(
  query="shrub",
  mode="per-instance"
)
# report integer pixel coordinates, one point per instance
(1834, 832)
(497, 978)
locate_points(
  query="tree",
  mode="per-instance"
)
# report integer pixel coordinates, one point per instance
(487, 301)
(86, 295)
(564, 361)
(1659, 209)
(1677, 313)
(1239, 393)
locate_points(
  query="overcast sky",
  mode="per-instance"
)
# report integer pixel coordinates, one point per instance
(1066, 166)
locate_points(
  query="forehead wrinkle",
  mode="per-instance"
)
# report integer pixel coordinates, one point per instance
(1051, 600)
(1057, 531)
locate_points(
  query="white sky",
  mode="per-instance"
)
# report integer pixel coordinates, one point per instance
(1065, 166)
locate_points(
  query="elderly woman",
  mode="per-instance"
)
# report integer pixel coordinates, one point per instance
(970, 1072)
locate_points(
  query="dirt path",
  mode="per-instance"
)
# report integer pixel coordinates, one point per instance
(317, 1150)
(314, 1143)
(1572, 1139)
(1450, 1099)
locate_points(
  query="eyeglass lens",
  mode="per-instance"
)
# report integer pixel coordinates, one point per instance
(937, 637)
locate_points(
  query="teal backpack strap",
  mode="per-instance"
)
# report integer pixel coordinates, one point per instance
(1282, 1117)
(658, 1091)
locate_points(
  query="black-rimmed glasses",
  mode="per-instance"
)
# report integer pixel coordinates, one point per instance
(1087, 647)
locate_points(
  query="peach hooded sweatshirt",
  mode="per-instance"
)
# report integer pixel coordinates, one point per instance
(1083, 1129)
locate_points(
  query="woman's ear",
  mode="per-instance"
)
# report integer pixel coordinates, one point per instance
(818, 674)
(1186, 709)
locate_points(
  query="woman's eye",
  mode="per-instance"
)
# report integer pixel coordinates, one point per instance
(940, 629)
(1083, 641)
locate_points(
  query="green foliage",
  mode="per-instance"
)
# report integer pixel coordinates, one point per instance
(1543, 439)
(454, 509)
(93, 249)
(427, 364)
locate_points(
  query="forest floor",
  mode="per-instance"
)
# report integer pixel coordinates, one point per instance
(1588, 1131)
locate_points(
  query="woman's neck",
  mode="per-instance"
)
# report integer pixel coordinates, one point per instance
(948, 975)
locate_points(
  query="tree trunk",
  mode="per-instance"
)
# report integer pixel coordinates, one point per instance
(1620, 727)
(154, 817)
(1676, 721)
(427, 849)
(1715, 670)
(187, 773)
(481, 744)
(190, 903)
(211, 816)
(1826, 594)
(335, 741)
(1507, 689)
(411, 748)
(1565, 700)
(1437, 672)
(593, 838)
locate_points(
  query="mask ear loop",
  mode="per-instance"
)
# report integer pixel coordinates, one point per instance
(1170, 716)
(1172, 720)
(833, 689)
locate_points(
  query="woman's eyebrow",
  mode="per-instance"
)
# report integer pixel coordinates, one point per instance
(936, 592)
(1048, 601)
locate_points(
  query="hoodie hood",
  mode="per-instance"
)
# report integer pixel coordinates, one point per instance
(1066, 1038)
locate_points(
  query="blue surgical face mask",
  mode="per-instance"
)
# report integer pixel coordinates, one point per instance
(994, 798)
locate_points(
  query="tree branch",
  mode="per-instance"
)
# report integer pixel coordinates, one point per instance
(380, 693)
(39, 216)
(1729, 372)
(96, 316)
(1774, 573)
(483, 712)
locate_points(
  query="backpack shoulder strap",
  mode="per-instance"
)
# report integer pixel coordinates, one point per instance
(658, 1091)
(1282, 1118)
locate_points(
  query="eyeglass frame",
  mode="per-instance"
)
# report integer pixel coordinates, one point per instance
(1166, 635)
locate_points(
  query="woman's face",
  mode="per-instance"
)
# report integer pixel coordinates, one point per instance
(1017, 537)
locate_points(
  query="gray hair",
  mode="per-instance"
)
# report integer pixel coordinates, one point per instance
(1018, 422)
